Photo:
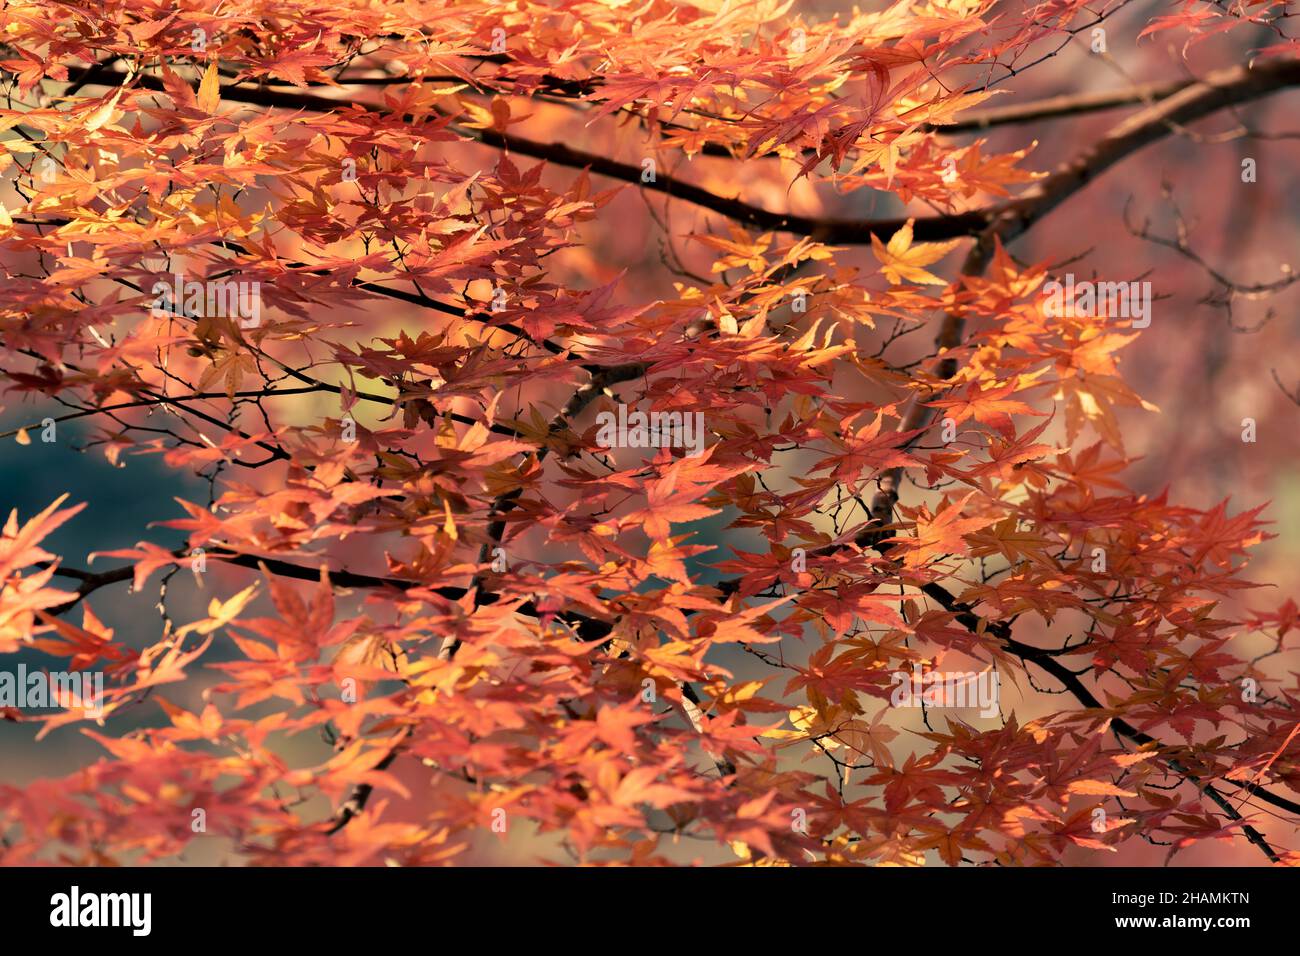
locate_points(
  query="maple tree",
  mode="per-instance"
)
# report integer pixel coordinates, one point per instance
(349, 263)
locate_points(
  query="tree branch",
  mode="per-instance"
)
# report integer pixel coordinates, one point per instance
(1120, 727)
(1058, 107)
(1187, 103)
(1194, 101)
(851, 231)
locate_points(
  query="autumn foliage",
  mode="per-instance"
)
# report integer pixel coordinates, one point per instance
(378, 272)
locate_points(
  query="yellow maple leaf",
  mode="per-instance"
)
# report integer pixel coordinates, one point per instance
(209, 89)
(902, 261)
(104, 113)
(220, 613)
